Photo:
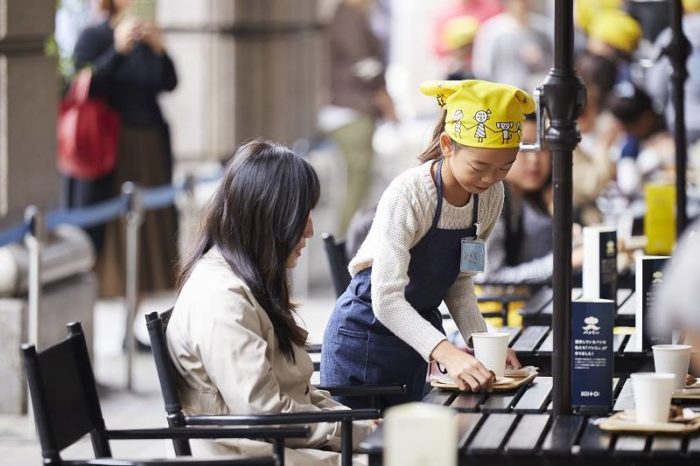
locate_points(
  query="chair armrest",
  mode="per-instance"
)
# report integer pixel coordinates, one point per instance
(252, 461)
(364, 390)
(212, 433)
(286, 418)
(314, 348)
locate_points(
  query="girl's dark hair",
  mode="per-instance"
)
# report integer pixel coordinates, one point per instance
(433, 151)
(256, 219)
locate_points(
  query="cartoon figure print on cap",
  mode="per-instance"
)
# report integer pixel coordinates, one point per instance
(457, 119)
(506, 133)
(481, 116)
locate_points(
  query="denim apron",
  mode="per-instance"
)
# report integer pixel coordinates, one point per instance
(358, 349)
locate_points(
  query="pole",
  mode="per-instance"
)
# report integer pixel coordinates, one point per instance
(134, 218)
(677, 51)
(564, 96)
(34, 240)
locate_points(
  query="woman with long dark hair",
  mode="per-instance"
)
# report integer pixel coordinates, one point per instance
(232, 336)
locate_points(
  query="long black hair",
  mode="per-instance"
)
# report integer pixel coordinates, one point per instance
(256, 219)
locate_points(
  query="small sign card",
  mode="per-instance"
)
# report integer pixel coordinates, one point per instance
(592, 360)
(648, 275)
(600, 263)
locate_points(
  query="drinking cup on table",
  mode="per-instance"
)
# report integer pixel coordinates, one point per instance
(673, 359)
(652, 396)
(490, 349)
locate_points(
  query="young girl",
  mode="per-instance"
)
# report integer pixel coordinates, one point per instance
(232, 337)
(424, 246)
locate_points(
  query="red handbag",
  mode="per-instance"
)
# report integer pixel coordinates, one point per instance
(87, 131)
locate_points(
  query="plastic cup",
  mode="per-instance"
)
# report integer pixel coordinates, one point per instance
(490, 349)
(652, 396)
(673, 359)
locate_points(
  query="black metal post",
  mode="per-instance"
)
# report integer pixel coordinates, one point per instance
(564, 95)
(677, 51)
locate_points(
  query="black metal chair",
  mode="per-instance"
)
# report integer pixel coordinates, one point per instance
(66, 408)
(338, 260)
(157, 324)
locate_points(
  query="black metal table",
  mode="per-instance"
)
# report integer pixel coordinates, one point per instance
(518, 427)
(534, 342)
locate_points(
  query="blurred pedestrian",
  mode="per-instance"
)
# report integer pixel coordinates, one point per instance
(130, 67)
(358, 98)
(514, 47)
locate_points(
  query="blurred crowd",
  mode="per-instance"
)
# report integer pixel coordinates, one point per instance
(626, 124)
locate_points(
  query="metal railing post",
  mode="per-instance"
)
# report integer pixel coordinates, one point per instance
(34, 240)
(134, 219)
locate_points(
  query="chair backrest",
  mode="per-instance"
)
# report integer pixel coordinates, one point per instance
(157, 326)
(64, 396)
(335, 251)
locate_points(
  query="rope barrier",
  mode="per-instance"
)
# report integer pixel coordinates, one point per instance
(14, 234)
(103, 212)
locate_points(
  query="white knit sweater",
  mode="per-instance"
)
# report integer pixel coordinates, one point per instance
(404, 216)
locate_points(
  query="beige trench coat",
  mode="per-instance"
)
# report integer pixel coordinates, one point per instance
(225, 352)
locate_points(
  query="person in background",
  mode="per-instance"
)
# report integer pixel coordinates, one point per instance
(648, 152)
(232, 337)
(658, 78)
(584, 12)
(615, 34)
(459, 36)
(514, 47)
(675, 305)
(130, 67)
(480, 10)
(594, 168)
(358, 98)
(520, 247)
(424, 246)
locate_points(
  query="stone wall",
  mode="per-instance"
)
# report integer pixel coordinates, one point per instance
(28, 104)
(246, 68)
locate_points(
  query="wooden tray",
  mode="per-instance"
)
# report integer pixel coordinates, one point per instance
(624, 422)
(511, 384)
(690, 392)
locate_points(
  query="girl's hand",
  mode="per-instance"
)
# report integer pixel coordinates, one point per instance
(512, 360)
(467, 372)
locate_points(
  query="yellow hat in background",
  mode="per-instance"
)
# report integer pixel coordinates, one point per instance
(617, 29)
(459, 32)
(586, 10)
(481, 113)
(691, 6)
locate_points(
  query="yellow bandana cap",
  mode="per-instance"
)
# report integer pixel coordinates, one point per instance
(617, 29)
(586, 10)
(691, 6)
(481, 113)
(459, 32)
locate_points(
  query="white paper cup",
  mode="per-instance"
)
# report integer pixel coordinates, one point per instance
(652, 396)
(490, 349)
(673, 359)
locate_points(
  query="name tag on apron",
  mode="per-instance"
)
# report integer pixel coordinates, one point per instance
(473, 255)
